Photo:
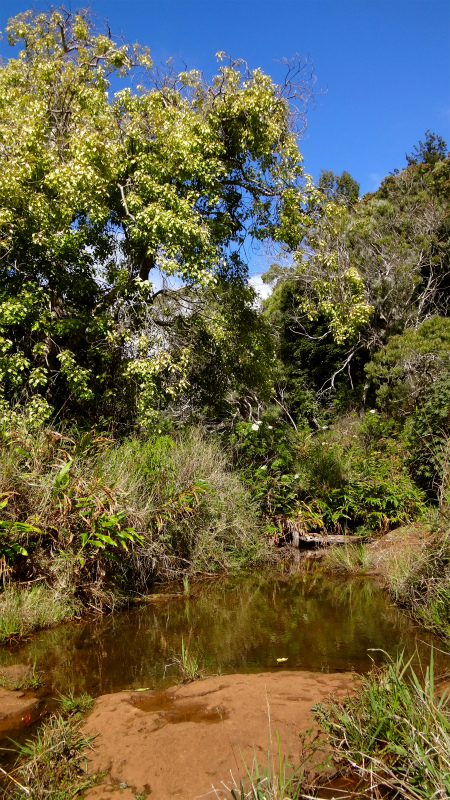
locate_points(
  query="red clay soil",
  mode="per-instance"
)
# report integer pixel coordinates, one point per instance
(190, 741)
(16, 707)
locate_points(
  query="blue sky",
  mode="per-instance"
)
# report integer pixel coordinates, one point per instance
(382, 66)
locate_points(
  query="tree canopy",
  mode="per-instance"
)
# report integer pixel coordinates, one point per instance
(112, 173)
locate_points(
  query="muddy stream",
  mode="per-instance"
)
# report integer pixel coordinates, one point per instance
(266, 622)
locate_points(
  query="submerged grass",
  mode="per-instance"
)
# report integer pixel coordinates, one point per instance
(53, 764)
(189, 663)
(394, 731)
(31, 680)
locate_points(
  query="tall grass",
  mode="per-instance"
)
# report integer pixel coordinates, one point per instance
(422, 585)
(23, 610)
(96, 518)
(278, 780)
(216, 529)
(350, 558)
(394, 731)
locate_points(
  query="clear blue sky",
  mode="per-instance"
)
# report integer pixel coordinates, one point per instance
(383, 65)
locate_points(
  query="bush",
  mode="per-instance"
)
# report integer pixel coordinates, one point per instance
(409, 363)
(427, 435)
(357, 473)
(99, 517)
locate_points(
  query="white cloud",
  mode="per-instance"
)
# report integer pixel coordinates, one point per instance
(263, 290)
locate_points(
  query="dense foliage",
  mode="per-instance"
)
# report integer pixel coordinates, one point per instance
(154, 417)
(112, 173)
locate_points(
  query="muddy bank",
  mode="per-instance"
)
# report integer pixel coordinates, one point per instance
(185, 741)
(18, 706)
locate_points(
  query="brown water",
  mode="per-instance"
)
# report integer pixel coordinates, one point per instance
(314, 621)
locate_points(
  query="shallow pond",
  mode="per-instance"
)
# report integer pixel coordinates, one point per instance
(241, 624)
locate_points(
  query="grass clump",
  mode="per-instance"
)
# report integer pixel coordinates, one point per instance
(394, 732)
(352, 558)
(23, 610)
(98, 519)
(422, 584)
(189, 663)
(72, 705)
(53, 764)
(278, 779)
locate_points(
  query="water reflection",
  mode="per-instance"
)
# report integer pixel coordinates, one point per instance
(243, 624)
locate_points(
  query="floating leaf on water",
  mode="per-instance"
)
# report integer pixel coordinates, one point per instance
(144, 689)
(279, 660)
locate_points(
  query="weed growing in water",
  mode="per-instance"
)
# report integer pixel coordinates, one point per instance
(31, 680)
(75, 705)
(189, 664)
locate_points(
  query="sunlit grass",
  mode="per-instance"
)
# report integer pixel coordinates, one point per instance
(53, 764)
(394, 731)
(349, 558)
(23, 610)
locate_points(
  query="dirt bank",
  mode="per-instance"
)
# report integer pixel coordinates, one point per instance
(17, 706)
(398, 547)
(182, 742)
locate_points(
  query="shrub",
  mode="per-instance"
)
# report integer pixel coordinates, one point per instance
(427, 435)
(104, 516)
(409, 364)
(350, 475)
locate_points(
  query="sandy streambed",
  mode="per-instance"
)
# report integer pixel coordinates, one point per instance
(188, 740)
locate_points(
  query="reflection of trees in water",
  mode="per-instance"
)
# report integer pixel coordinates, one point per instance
(316, 621)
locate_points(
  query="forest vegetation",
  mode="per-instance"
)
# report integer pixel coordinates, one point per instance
(155, 417)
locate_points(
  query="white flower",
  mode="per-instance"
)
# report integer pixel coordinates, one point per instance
(372, 411)
(296, 475)
(264, 467)
(270, 427)
(259, 422)
(325, 427)
(255, 427)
